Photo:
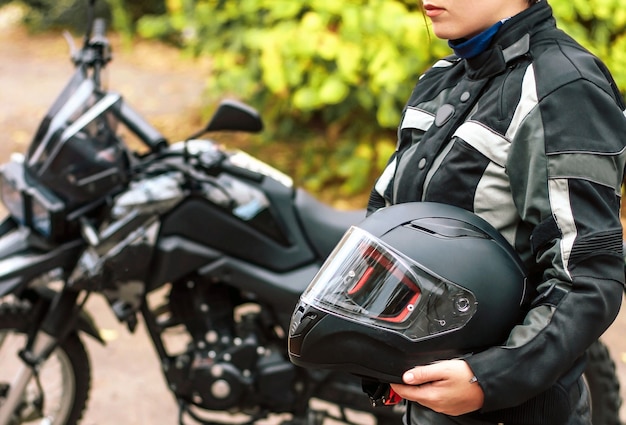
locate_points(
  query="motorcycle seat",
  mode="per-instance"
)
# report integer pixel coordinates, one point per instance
(324, 225)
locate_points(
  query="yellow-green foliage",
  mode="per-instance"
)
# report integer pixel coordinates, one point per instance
(331, 76)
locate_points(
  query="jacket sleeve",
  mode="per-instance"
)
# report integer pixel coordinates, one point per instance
(565, 167)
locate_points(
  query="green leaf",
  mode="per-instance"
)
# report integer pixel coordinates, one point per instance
(272, 66)
(334, 90)
(306, 99)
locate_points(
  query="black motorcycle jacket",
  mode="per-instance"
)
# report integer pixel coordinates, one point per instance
(530, 135)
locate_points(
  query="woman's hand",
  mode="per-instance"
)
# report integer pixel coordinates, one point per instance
(447, 387)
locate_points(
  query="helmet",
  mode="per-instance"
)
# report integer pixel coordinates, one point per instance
(411, 284)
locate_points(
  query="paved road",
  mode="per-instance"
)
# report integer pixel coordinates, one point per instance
(128, 387)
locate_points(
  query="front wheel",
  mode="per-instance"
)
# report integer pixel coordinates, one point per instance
(603, 385)
(58, 393)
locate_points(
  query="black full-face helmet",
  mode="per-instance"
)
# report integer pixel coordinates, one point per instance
(412, 284)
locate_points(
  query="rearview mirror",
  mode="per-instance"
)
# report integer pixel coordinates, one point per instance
(232, 115)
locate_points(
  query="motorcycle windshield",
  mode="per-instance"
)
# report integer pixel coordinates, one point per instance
(76, 152)
(53, 119)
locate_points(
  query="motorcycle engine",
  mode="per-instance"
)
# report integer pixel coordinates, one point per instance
(234, 360)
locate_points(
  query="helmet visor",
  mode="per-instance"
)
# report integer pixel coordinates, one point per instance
(366, 280)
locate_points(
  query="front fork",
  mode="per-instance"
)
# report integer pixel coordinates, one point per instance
(58, 322)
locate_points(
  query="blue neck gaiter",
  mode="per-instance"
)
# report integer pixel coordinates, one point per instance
(467, 49)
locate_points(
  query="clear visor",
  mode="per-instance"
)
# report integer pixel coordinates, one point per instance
(367, 281)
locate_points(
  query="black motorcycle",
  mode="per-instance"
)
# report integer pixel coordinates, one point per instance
(228, 240)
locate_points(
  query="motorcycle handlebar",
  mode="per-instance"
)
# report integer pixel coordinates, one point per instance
(149, 135)
(99, 28)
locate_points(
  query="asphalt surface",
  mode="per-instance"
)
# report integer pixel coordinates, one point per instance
(128, 386)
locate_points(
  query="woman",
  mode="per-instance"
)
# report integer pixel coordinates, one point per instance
(525, 128)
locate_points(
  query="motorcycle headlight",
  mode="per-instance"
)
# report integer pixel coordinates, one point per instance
(12, 198)
(41, 218)
(31, 205)
(47, 212)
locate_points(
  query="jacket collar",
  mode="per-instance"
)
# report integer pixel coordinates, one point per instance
(511, 42)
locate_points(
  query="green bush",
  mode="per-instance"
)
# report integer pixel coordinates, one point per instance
(331, 76)
(334, 74)
(44, 15)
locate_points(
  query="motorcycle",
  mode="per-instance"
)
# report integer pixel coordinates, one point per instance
(228, 241)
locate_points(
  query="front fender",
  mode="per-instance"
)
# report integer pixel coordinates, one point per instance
(24, 255)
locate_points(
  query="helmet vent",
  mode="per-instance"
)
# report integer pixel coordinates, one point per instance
(447, 227)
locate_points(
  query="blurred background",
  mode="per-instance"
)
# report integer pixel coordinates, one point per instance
(329, 77)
